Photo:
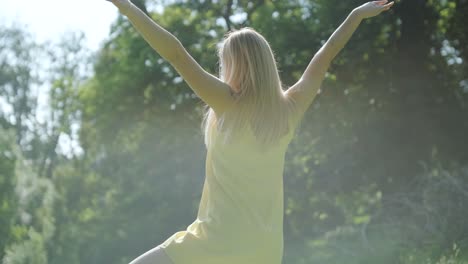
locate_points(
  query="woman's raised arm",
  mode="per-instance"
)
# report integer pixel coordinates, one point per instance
(166, 44)
(304, 91)
(207, 87)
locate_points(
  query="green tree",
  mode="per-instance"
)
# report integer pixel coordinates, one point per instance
(8, 199)
(18, 63)
(380, 152)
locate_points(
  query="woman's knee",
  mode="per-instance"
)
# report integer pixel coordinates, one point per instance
(153, 256)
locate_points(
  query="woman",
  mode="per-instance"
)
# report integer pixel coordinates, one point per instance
(248, 125)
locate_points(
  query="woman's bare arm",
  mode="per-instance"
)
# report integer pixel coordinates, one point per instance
(207, 87)
(304, 91)
(165, 44)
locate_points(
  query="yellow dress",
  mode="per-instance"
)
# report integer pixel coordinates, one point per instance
(240, 216)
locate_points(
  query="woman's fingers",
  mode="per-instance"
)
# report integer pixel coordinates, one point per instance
(388, 6)
(381, 2)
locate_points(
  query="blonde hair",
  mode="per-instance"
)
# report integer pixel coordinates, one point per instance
(248, 65)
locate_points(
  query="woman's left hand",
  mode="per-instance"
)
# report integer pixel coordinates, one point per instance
(373, 8)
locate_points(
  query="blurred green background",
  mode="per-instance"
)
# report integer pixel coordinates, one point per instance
(378, 171)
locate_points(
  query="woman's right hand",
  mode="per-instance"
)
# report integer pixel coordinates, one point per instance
(120, 3)
(373, 8)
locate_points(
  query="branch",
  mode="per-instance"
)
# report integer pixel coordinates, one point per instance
(227, 14)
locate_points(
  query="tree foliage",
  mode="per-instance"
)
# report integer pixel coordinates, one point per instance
(377, 172)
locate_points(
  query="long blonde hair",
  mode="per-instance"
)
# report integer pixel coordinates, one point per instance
(248, 65)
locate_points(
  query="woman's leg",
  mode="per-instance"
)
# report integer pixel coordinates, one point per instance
(153, 256)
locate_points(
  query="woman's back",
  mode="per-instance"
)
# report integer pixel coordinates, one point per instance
(240, 218)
